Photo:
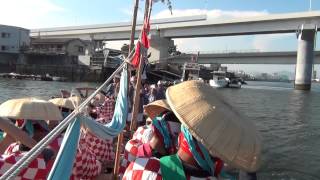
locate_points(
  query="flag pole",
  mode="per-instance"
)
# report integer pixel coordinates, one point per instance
(136, 101)
(120, 136)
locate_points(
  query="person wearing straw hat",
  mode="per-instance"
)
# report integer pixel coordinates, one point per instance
(90, 149)
(210, 128)
(160, 141)
(29, 114)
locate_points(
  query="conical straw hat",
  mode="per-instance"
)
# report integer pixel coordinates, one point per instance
(155, 108)
(76, 100)
(30, 108)
(69, 103)
(217, 125)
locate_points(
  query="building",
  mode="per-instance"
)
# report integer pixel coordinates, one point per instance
(65, 46)
(13, 39)
(59, 51)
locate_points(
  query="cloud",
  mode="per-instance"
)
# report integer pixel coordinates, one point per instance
(275, 42)
(27, 13)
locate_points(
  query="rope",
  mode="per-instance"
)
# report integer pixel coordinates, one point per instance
(41, 145)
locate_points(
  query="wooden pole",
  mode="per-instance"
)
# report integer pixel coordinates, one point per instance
(134, 22)
(120, 136)
(136, 102)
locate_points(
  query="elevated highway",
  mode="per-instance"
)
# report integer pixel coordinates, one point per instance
(243, 58)
(189, 27)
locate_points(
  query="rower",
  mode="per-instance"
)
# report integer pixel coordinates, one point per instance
(29, 115)
(211, 128)
(158, 139)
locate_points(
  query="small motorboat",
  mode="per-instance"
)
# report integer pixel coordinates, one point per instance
(218, 82)
(219, 79)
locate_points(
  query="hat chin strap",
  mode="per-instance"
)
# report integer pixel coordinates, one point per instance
(200, 154)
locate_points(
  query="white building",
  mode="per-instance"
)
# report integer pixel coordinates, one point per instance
(13, 39)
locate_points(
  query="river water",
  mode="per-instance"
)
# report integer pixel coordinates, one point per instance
(289, 121)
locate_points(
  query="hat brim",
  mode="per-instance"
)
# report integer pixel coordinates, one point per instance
(30, 108)
(217, 125)
(69, 103)
(157, 107)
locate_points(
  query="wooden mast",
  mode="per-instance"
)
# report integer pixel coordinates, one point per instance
(120, 136)
(136, 102)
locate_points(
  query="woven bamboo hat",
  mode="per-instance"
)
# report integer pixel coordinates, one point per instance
(69, 103)
(156, 107)
(217, 125)
(30, 108)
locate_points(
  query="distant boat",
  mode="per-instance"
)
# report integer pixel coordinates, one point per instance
(56, 78)
(218, 82)
(235, 83)
(219, 79)
(47, 77)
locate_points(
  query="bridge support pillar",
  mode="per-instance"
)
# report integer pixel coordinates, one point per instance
(305, 56)
(159, 50)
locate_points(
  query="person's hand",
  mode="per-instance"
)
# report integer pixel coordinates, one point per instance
(48, 154)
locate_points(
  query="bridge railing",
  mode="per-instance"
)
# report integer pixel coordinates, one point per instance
(224, 51)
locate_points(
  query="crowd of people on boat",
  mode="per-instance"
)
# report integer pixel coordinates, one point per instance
(185, 131)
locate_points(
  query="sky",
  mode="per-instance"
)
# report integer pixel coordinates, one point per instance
(57, 13)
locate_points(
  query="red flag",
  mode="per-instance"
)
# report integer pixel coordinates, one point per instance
(136, 59)
(145, 40)
(146, 24)
(145, 32)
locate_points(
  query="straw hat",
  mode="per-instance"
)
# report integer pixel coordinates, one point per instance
(69, 103)
(30, 108)
(216, 124)
(156, 107)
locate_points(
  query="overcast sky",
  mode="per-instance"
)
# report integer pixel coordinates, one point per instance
(55, 13)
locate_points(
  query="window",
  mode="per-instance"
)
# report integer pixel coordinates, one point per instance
(80, 49)
(3, 48)
(5, 35)
(59, 47)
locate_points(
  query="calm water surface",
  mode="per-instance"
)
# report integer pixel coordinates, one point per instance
(289, 121)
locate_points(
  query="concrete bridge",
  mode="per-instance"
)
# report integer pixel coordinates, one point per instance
(288, 57)
(188, 27)
(304, 24)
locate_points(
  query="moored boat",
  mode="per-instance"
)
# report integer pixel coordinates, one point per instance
(219, 79)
